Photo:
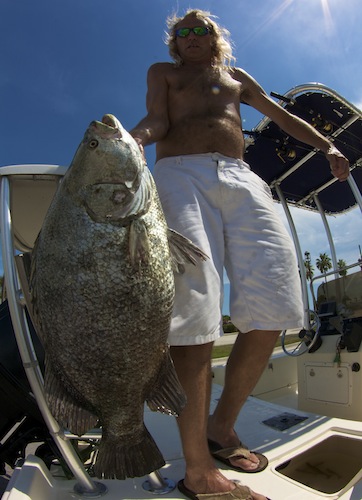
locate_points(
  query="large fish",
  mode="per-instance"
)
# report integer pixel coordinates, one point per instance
(102, 291)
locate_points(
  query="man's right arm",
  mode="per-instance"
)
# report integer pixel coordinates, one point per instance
(154, 126)
(255, 96)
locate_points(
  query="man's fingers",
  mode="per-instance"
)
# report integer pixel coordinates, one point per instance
(340, 169)
(338, 163)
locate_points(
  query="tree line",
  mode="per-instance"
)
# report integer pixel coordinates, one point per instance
(323, 264)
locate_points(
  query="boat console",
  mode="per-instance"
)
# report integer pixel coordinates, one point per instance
(330, 379)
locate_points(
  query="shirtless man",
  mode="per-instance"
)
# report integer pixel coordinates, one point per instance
(210, 195)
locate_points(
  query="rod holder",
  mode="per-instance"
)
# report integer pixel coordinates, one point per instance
(158, 485)
(99, 490)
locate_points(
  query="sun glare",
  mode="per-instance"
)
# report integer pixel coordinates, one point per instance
(271, 19)
(327, 15)
(305, 8)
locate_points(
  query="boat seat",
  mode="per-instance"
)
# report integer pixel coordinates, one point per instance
(32, 188)
(26, 193)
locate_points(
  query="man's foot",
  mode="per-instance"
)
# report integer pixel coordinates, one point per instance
(230, 450)
(239, 492)
(238, 457)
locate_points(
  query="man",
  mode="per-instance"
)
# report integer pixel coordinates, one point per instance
(210, 195)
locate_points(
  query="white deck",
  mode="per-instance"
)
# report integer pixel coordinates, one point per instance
(277, 445)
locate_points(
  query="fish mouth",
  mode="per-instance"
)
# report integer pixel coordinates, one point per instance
(120, 190)
(108, 128)
(111, 121)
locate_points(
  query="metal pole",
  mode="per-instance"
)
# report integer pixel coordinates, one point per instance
(328, 233)
(353, 185)
(298, 251)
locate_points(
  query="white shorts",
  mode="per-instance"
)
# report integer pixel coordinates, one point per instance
(228, 211)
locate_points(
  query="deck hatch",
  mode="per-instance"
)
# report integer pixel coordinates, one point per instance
(326, 467)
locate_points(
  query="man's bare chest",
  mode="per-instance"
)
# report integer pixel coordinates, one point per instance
(213, 84)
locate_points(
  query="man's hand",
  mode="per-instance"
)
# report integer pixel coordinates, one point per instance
(139, 143)
(338, 163)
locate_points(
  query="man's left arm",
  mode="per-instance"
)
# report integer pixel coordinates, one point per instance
(254, 95)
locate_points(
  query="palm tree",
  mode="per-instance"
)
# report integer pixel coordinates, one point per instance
(341, 264)
(309, 269)
(324, 263)
(309, 272)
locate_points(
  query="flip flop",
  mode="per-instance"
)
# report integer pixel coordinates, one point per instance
(239, 493)
(225, 454)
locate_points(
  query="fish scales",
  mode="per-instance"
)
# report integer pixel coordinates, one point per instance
(102, 292)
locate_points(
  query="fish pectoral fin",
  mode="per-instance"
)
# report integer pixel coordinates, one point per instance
(183, 251)
(64, 408)
(139, 247)
(167, 395)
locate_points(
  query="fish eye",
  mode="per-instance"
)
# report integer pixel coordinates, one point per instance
(93, 144)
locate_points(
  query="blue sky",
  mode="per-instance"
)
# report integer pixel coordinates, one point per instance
(65, 63)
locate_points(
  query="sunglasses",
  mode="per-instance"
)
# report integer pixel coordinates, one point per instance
(198, 30)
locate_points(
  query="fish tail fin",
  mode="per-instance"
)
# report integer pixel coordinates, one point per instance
(167, 395)
(119, 460)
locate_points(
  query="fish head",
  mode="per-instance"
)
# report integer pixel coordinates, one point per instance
(108, 174)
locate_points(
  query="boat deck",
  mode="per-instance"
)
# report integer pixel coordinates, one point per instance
(260, 425)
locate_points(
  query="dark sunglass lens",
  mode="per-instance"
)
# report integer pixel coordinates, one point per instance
(200, 30)
(182, 32)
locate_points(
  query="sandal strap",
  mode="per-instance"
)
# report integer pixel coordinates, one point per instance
(239, 493)
(233, 452)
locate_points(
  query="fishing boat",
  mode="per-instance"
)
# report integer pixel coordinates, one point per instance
(305, 413)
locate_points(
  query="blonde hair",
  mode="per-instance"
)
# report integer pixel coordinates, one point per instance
(221, 43)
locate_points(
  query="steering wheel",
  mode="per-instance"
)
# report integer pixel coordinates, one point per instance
(310, 339)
